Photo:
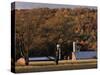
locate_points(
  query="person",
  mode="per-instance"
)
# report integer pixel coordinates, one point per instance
(59, 51)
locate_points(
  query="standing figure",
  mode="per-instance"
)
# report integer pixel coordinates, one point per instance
(58, 53)
(59, 50)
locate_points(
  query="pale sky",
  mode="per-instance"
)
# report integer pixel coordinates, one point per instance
(30, 5)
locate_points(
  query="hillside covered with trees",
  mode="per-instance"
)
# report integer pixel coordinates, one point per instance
(39, 29)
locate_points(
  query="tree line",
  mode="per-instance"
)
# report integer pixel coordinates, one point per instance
(38, 30)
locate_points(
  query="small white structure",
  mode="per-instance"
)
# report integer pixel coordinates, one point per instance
(73, 53)
(74, 48)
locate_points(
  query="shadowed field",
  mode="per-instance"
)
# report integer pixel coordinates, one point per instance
(51, 66)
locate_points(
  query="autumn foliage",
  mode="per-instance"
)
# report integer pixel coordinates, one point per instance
(39, 29)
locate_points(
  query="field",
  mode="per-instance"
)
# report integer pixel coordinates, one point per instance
(51, 66)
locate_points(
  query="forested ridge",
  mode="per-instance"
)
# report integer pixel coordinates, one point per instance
(41, 28)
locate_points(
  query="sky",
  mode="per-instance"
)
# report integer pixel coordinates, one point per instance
(30, 5)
